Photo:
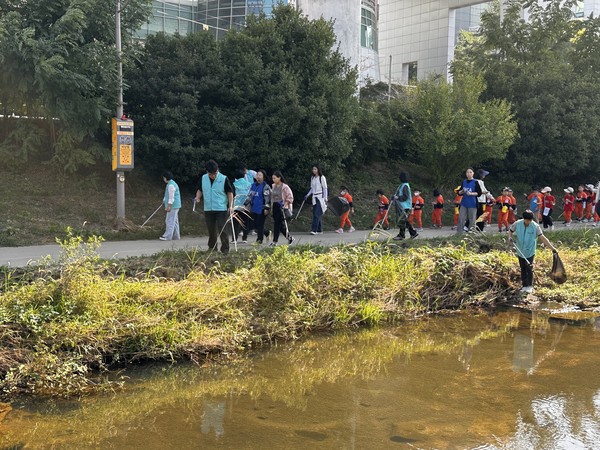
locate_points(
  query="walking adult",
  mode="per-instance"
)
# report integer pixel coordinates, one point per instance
(172, 203)
(217, 192)
(241, 217)
(318, 190)
(403, 201)
(259, 203)
(282, 199)
(523, 234)
(483, 198)
(470, 189)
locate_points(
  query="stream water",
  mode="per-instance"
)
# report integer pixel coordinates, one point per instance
(511, 380)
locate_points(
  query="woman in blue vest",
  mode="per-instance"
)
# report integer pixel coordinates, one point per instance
(259, 203)
(470, 189)
(523, 234)
(403, 201)
(241, 217)
(217, 192)
(172, 202)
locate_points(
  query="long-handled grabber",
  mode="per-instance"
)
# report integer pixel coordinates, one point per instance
(152, 215)
(303, 201)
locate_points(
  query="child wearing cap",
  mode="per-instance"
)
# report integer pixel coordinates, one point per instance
(548, 204)
(504, 203)
(417, 214)
(438, 205)
(457, 199)
(568, 205)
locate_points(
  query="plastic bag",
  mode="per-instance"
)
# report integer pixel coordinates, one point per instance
(558, 273)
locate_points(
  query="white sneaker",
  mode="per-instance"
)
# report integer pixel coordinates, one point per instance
(162, 238)
(339, 230)
(313, 232)
(527, 289)
(352, 229)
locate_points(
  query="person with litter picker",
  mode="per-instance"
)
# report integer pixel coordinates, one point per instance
(523, 235)
(172, 204)
(318, 190)
(282, 199)
(402, 199)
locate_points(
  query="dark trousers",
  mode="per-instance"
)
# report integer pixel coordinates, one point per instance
(317, 222)
(481, 224)
(259, 226)
(403, 224)
(215, 222)
(279, 223)
(547, 220)
(241, 223)
(526, 271)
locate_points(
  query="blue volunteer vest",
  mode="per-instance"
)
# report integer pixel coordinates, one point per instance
(177, 196)
(214, 195)
(242, 187)
(406, 204)
(525, 238)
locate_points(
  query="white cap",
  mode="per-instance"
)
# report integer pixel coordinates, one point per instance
(546, 189)
(569, 190)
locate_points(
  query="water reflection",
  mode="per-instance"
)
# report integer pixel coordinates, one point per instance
(509, 380)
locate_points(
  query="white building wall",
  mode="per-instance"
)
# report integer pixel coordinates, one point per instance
(423, 31)
(346, 14)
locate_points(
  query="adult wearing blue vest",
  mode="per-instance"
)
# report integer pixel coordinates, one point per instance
(402, 199)
(217, 192)
(241, 217)
(470, 189)
(523, 234)
(172, 203)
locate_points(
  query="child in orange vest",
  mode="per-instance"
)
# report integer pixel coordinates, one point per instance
(490, 201)
(512, 211)
(417, 214)
(382, 210)
(504, 203)
(580, 200)
(589, 203)
(438, 204)
(344, 218)
(569, 205)
(457, 200)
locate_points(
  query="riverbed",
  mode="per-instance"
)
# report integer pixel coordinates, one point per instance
(512, 379)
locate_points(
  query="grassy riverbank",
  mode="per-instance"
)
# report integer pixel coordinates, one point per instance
(64, 327)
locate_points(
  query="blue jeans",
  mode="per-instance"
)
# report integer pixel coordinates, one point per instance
(172, 224)
(317, 224)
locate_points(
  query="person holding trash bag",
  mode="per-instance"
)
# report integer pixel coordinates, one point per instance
(217, 192)
(172, 203)
(281, 205)
(259, 204)
(241, 216)
(523, 234)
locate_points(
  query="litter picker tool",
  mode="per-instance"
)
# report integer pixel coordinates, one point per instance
(151, 216)
(300, 209)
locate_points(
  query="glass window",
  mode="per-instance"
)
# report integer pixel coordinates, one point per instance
(368, 29)
(412, 72)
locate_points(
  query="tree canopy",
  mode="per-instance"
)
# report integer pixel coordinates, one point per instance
(58, 64)
(546, 67)
(275, 95)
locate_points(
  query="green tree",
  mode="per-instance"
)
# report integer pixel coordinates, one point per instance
(546, 68)
(59, 62)
(451, 128)
(276, 95)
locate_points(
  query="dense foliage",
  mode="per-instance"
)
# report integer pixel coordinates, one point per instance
(547, 68)
(276, 95)
(58, 64)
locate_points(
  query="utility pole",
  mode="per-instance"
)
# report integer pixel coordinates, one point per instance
(120, 174)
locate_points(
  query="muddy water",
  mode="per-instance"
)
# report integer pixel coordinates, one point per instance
(513, 380)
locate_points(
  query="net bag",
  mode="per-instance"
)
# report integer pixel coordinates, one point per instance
(558, 273)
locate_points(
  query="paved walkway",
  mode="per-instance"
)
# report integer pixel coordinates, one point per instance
(22, 256)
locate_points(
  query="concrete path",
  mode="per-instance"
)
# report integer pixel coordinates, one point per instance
(22, 256)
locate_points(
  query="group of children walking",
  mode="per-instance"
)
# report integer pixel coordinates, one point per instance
(576, 205)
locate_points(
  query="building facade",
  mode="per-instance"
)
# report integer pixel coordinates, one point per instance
(419, 36)
(355, 23)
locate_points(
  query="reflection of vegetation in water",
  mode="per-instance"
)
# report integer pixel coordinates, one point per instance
(285, 374)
